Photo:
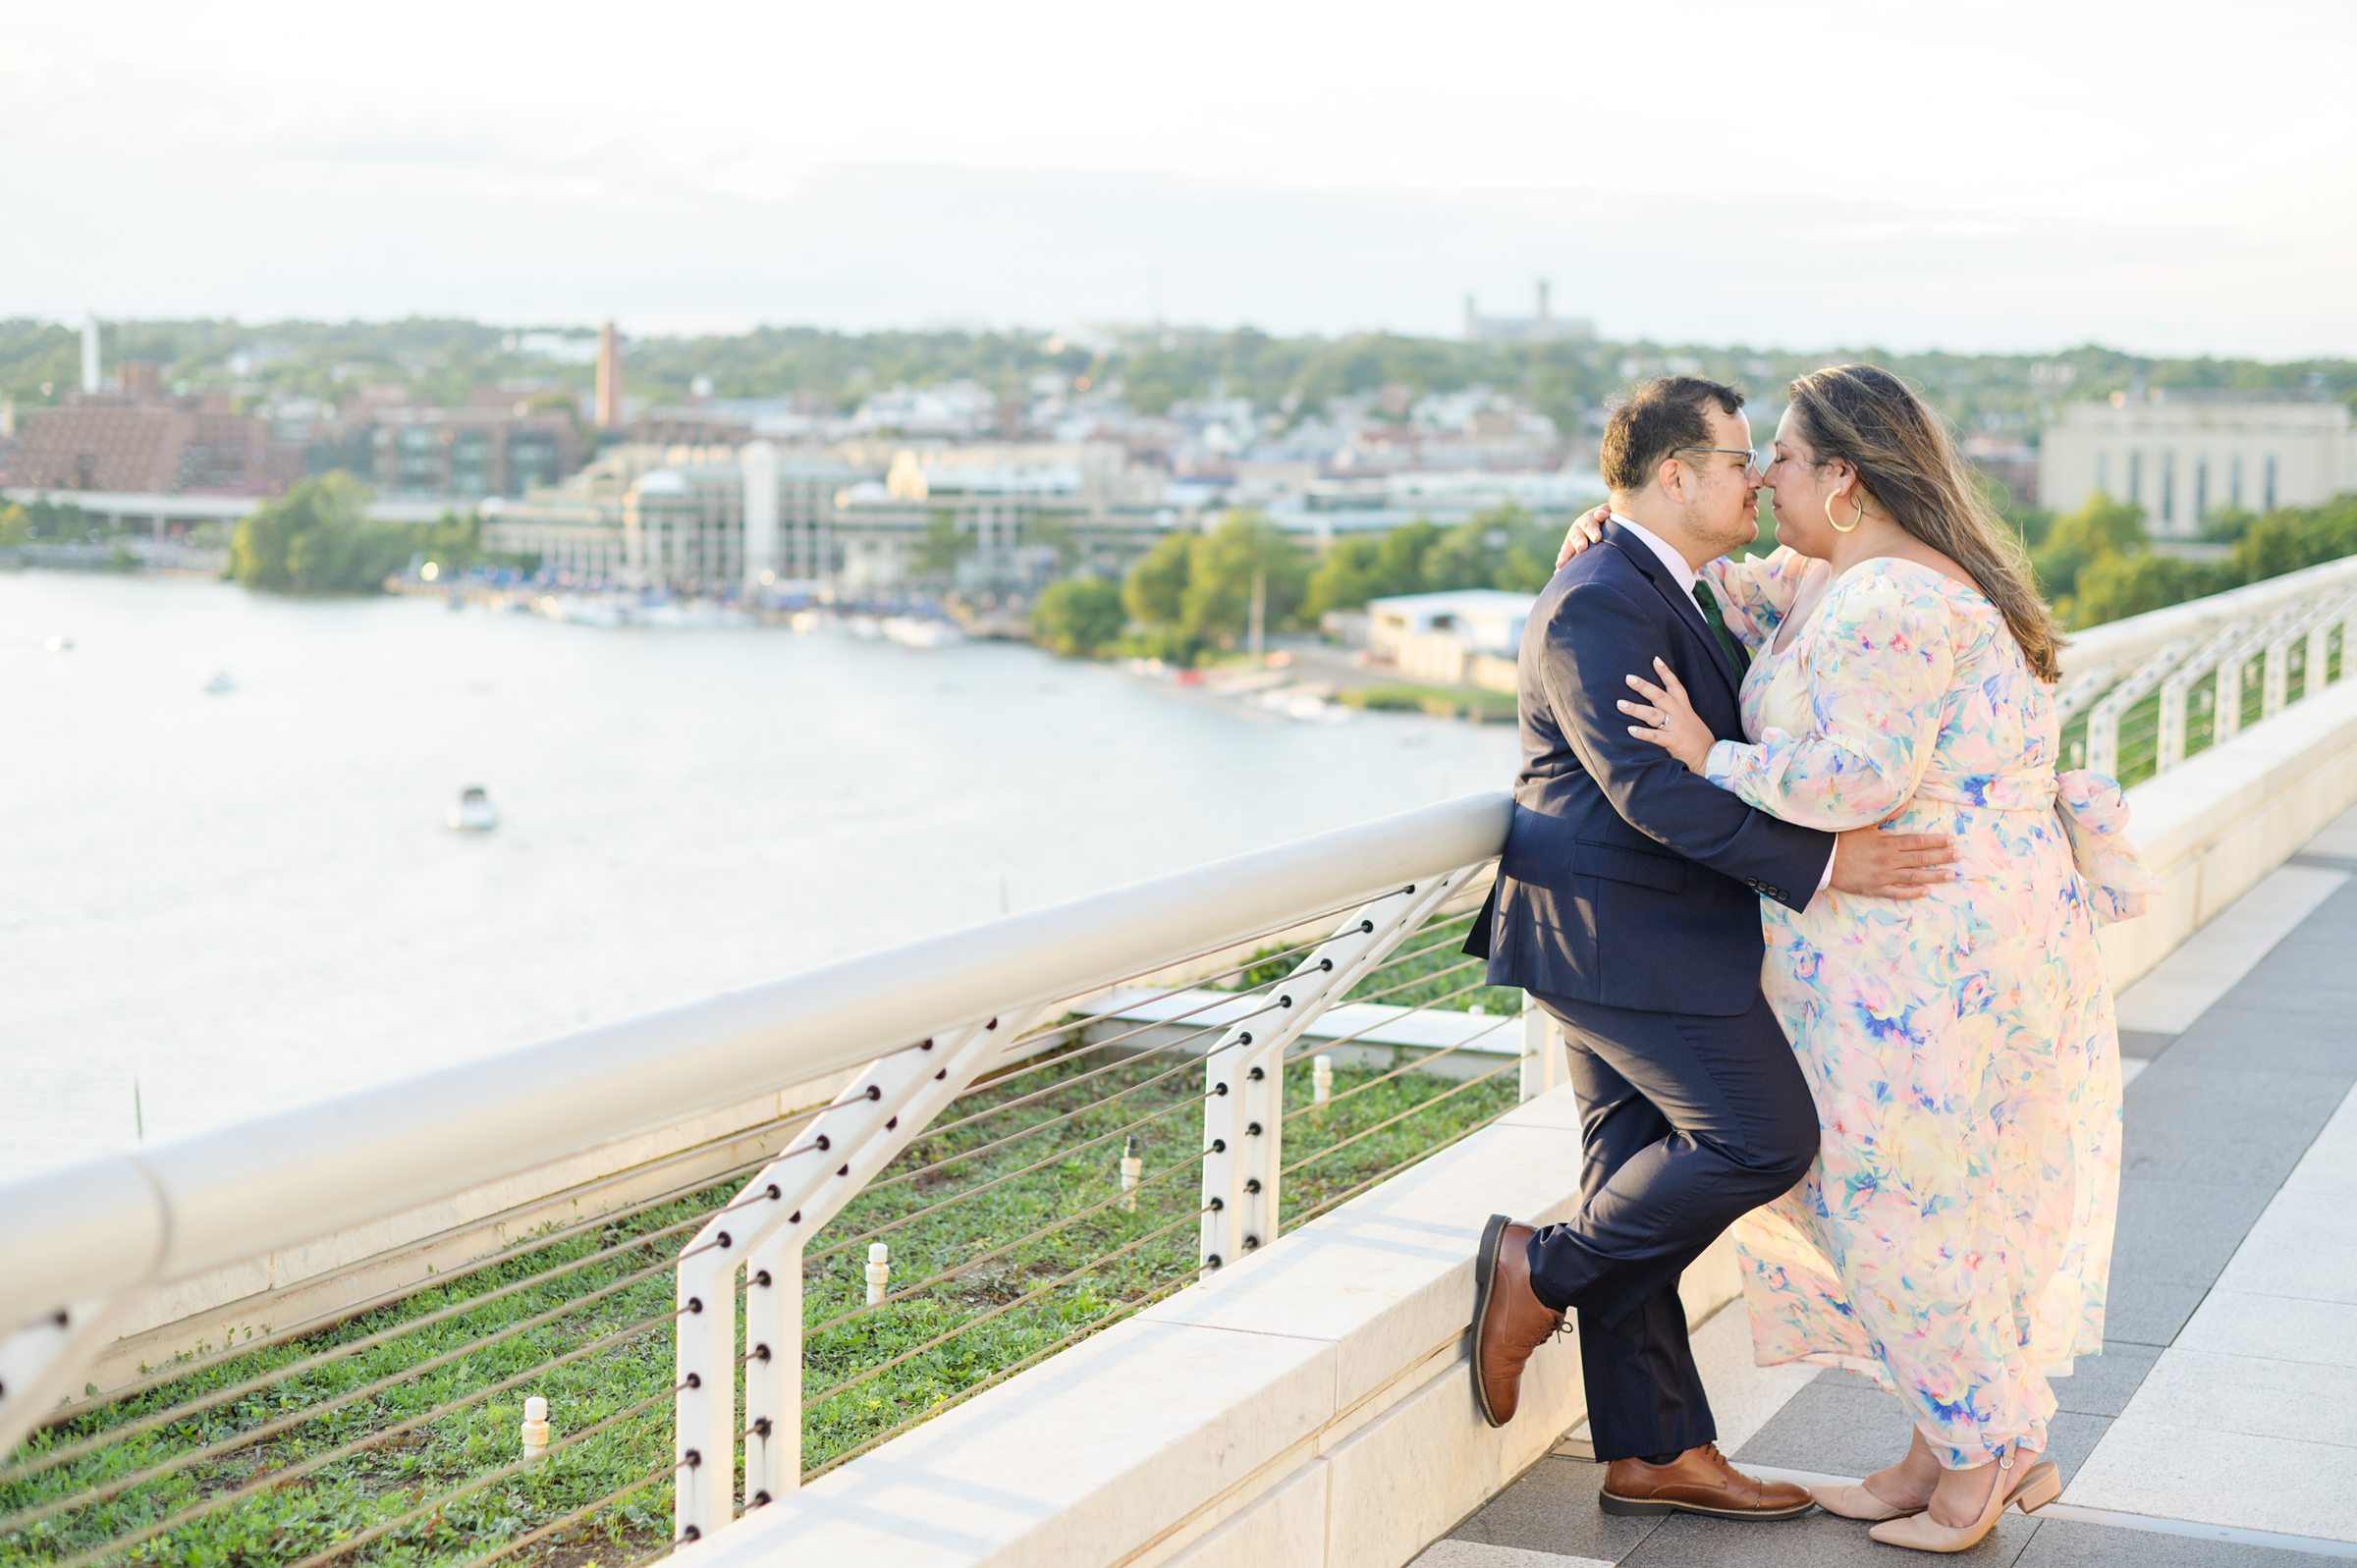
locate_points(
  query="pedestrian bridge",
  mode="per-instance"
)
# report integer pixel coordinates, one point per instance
(1139, 1231)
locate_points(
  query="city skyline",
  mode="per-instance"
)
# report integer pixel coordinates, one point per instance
(1775, 179)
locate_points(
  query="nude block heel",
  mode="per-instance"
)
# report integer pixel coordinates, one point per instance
(2042, 1485)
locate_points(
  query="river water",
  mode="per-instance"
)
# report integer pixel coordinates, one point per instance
(248, 900)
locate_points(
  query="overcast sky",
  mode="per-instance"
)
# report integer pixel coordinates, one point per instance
(2175, 176)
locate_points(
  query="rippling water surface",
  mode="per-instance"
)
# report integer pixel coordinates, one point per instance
(248, 900)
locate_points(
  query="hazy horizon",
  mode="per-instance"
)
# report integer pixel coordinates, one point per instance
(2035, 179)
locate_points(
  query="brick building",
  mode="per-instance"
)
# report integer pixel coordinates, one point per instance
(165, 446)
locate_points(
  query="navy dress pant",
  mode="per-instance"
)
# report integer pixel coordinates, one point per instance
(1689, 1123)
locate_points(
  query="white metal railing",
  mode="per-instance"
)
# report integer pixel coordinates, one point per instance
(964, 1015)
(2205, 666)
(763, 1242)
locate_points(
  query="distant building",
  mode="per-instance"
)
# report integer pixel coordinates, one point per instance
(463, 453)
(2009, 461)
(677, 517)
(1538, 327)
(2183, 455)
(163, 446)
(1448, 638)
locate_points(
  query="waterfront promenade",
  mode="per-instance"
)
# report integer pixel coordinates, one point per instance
(2219, 1429)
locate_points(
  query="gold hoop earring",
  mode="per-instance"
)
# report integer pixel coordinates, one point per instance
(1856, 518)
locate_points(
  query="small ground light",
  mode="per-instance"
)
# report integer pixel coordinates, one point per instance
(879, 1269)
(1321, 1081)
(1131, 1168)
(535, 1426)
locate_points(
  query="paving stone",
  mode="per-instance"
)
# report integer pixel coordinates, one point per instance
(2069, 1544)
(2146, 1312)
(2181, 1233)
(2071, 1437)
(1553, 1508)
(2144, 1044)
(2302, 979)
(2102, 1386)
(1843, 1378)
(1813, 1540)
(2193, 1122)
(1478, 1554)
(1838, 1429)
(2236, 1036)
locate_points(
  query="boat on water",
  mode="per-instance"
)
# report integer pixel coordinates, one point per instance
(867, 629)
(221, 685)
(921, 632)
(474, 812)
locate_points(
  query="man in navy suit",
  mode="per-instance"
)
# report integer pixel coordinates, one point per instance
(1627, 903)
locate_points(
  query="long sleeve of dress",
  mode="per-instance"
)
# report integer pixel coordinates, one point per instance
(1879, 663)
(1756, 593)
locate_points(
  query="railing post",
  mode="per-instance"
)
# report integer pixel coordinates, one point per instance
(1244, 1076)
(2277, 679)
(2169, 747)
(2319, 659)
(2227, 723)
(884, 1110)
(2102, 740)
(704, 1421)
(773, 1369)
(1543, 1061)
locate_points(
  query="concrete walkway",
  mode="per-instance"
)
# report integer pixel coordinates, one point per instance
(2219, 1429)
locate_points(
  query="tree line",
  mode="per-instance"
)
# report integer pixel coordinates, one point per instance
(2098, 563)
(319, 538)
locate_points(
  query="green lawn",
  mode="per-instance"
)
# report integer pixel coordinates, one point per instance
(310, 1495)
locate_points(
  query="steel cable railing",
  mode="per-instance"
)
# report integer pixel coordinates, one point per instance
(443, 1501)
(274, 1479)
(861, 1379)
(1001, 1181)
(1464, 1087)
(181, 1372)
(1337, 1200)
(1034, 1245)
(1416, 1063)
(1116, 1313)
(969, 1264)
(246, 1438)
(50, 1459)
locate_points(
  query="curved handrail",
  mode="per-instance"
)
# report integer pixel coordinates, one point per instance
(104, 1225)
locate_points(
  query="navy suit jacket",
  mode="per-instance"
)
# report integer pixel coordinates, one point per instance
(1626, 879)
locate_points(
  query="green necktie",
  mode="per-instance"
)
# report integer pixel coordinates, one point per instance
(1709, 602)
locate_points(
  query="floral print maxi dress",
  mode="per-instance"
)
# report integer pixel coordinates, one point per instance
(1953, 1239)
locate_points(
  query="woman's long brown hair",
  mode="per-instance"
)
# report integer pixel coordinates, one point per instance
(1911, 466)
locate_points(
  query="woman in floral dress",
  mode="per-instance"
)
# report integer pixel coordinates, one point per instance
(1954, 1238)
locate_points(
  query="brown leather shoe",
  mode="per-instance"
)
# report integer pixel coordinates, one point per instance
(1699, 1481)
(1509, 1322)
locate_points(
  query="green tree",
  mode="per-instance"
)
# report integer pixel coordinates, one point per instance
(1156, 588)
(14, 527)
(2103, 526)
(317, 538)
(2292, 537)
(1079, 617)
(1345, 579)
(1225, 566)
(2114, 585)
(943, 546)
